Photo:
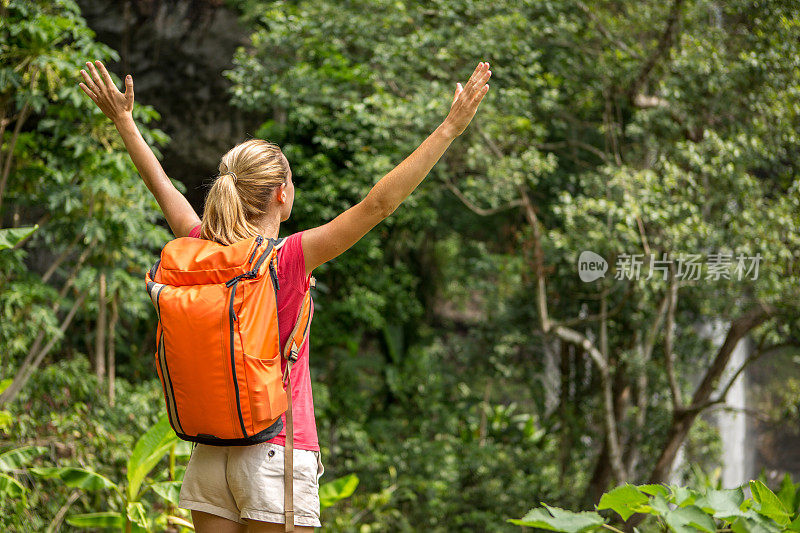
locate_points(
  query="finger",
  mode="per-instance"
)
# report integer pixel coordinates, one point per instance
(481, 93)
(471, 80)
(129, 88)
(95, 76)
(480, 83)
(474, 80)
(88, 92)
(106, 76)
(459, 89)
(89, 82)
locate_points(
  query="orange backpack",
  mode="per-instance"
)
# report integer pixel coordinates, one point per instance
(218, 348)
(217, 339)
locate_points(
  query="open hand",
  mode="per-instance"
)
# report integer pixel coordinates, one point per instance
(467, 99)
(101, 89)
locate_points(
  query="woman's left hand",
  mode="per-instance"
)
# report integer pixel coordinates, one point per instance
(101, 89)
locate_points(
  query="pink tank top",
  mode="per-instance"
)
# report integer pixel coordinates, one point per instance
(293, 284)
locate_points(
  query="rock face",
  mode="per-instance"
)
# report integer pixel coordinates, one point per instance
(176, 51)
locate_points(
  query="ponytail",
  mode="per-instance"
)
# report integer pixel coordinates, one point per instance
(241, 194)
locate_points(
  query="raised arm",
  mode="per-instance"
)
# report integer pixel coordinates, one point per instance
(325, 242)
(117, 106)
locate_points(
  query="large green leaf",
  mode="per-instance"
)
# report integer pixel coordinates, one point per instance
(789, 494)
(77, 478)
(560, 520)
(149, 450)
(9, 237)
(768, 503)
(104, 520)
(625, 500)
(169, 490)
(19, 457)
(137, 514)
(11, 487)
(338, 489)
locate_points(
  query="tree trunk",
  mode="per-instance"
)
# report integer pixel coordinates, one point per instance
(112, 345)
(683, 419)
(100, 338)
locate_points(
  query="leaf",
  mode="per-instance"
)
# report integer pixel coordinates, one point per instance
(682, 496)
(625, 500)
(788, 493)
(338, 489)
(106, 519)
(560, 520)
(77, 478)
(756, 524)
(689, 519)
(4, 384)
(6, 419)
(11, 487)
(149, 450)
(169, 490)
(180, 521)
(19, 457)
(9, 237)
(653, 489)
(768, 503)
(137, 514)
(724, 504)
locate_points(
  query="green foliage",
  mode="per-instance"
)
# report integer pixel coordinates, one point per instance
(432, 383)
(12, 461)
(683, 510)
(150, 448)
(9, 237)
(69, 176)
(339, 489)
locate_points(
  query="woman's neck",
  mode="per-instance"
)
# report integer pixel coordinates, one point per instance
(270, 227)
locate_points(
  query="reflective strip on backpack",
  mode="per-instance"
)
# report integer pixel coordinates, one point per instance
(172, 410)
(155, 294)
(154, 290)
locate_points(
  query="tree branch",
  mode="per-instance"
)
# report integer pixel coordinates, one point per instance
(480, 210)
(663, 46)
(738, 329)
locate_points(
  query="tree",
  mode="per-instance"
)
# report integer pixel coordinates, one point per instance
(64, 169)
(658, 131)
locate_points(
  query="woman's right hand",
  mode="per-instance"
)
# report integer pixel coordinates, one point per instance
(467, 99)
(114, 104)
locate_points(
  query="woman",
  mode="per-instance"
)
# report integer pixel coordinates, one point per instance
(240, 488)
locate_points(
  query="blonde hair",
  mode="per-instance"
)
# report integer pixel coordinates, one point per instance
(248, 174)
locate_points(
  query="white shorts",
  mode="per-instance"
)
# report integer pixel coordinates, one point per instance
(240, 482)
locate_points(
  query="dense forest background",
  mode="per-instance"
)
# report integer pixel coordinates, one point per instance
(461, 367)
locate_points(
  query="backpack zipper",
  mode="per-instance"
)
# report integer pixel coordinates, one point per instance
(259, 240)
(274, 275)
(232, 318)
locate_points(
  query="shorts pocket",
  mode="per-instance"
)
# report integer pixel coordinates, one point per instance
(265, 390)
(320, 466)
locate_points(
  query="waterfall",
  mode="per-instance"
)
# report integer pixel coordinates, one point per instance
(737, 458)
(731, 421)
